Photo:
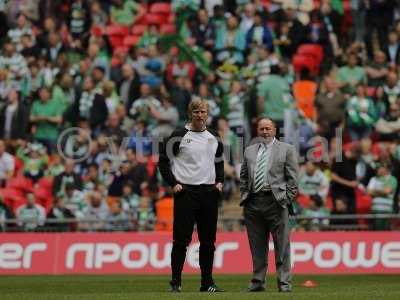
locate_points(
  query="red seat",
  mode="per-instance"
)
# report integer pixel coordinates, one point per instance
(160, 8)
(12, 198)
(44, 197)
(300, 61)
(138, 29)
(265, 4)
(363, 202)
(97, 30)
(46, 183)
(116, 41)
(167, 28)
(371, 91)
(131, 40)
(171, 19)
(117, 30)
(312, 49)
(155, 19)
(20, 183)
(303, 200)
(18, 166)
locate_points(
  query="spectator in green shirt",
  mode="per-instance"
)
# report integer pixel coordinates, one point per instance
(125, 12)
(382, 189)
(361, 115)
(274, 96)
(46, 118)
(351, 75)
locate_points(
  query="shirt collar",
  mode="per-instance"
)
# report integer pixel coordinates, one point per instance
(267, 145)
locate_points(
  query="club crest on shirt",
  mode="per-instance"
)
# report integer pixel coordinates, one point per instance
(210, 140)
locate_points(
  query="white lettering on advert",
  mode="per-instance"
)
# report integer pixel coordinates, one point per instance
(138, 255)
(327, 255)
(15, 256)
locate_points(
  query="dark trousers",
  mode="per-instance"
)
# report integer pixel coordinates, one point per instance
(264, 216)
(195, 204)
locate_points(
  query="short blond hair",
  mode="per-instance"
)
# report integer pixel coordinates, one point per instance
(196, 104)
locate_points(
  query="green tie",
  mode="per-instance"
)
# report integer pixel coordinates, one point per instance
(261, 166)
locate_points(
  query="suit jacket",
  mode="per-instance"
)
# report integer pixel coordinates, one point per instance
(282, 172)
(397, 55)
(19, 124)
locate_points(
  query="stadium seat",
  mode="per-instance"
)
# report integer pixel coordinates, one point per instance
(265, 4)
(131, 40)
(20, 183)
(116, 41)
(155, 19)
(97, 30)
(363, 202)
(138, 29)
(118, 30)
(44, 197)
(371, 91)
(46, 183)
(303, 200)
(171, 19)
(312, 49)
(167, 29)
(111, 200)
(165, 212)
(18, 166)
(304, 93)
(160, 8)
(12, 198)
(300, 61)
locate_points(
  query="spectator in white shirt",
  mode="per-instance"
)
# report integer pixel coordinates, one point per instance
(7, 164)
(31, 215)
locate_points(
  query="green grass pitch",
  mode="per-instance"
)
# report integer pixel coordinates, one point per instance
(155, 287)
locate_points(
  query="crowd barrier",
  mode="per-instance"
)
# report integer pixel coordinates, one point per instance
(149, 253)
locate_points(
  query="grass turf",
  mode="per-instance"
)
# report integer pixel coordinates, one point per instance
(154, 287)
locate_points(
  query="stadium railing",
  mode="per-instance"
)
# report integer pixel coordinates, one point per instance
(310, 223)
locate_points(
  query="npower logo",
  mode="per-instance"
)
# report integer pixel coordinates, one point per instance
(351, 255)
(138, 255)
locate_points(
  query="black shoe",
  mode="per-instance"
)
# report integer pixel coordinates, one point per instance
(213, 288)
(256, 286)
(174, 287)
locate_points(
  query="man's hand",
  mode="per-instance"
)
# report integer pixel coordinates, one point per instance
(219, 186)
(177, 188)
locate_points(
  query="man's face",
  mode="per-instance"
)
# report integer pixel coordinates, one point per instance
(30, 200)
(199, 117)
(352, 61)
(127, 71)
(310, 168)
(266, 129)
(44, 95)
(145, 90)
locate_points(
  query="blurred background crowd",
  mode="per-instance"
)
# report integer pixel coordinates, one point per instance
(124, 72)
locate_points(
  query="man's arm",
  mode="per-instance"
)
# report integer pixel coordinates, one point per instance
(244, 177)
(291, 173)
(219, 162)
(170, 147)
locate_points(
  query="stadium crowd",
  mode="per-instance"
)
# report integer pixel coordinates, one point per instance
(123, 72)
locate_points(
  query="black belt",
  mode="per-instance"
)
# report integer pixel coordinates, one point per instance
(264, 192)
(198, 185)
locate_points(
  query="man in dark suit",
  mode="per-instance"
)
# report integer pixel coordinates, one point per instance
(393, 48)
(268, 185)
(14, 117)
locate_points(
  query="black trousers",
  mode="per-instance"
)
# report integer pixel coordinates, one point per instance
(195, 204)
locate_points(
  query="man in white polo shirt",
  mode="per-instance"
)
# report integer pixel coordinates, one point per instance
(191, 163)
